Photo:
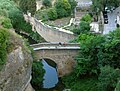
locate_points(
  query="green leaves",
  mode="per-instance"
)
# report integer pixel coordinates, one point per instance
(5, 22)
(108, 78)
(63, 8)
(28, 5)
(4, 35)
(87, 18)
(47, 3)
(37, 75)
(84, 26)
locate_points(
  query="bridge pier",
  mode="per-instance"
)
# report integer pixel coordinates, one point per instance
(65, 65)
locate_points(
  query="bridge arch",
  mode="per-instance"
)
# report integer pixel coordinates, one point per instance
(63, 56)
(50, 61)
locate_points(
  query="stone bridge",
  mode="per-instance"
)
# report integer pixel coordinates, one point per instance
(62, 54)
(49, 33)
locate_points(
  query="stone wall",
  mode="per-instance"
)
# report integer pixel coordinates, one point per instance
(49, 33)
(64, 58)
(16, 73)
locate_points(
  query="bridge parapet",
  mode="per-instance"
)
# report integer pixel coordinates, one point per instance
(60, 44)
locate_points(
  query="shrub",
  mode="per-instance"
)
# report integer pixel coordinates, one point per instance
(37, 75)
(47, 14)
(5, 22)
(52, 14)
(109, 53)
(108, 78)
(47, 3)
(117, 87)
(87, 18)
(63, 8)
(83, 27)
(4, 36)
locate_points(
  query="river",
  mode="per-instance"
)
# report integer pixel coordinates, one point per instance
(51, 81)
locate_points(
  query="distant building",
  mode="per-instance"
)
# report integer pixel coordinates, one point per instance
(83, 3)
(82, 8)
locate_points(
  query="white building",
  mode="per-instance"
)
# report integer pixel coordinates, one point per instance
(83, 3)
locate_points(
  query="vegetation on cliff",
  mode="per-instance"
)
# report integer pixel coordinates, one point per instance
(4, 39)
(37, 75)
(11, 17)
(27, 5)
(10, 10)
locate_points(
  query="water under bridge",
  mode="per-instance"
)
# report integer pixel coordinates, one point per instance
(63, 54)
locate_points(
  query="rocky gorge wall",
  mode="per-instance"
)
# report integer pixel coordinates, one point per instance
(16, 73)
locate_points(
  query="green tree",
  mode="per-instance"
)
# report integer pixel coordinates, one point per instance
(117, 87)
(28, 5)
(96, 52)
(63, 8)
(47, 14)
(37, 75)
(5, 22)
(47, 3)
(84, 27)
(99, 5)
(73, 4)
(108, 78)
(52, 14)
(109, 54)
(87, 60)
(4, 36)
(87, 18)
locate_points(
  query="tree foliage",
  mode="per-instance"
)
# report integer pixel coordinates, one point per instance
(37, 75)
(73, 4)
(11, 11)
(108, 78)
(47, 3)
(87, 60)
(86, 18)
(63, 8)
(47, 14)
(52, 14)
(99, 5)
(4, 36)
(84, 25)
(5, 22)
(99, 56)
(28, 6)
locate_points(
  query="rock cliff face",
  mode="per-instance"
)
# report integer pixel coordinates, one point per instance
(16, 73)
